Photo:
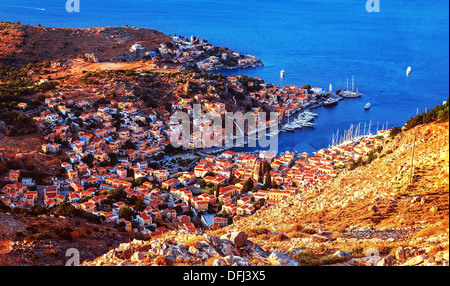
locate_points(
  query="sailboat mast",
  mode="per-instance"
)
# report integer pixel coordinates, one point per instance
(353, 81)
(351, 132)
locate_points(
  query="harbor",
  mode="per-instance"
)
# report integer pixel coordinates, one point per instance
(303, 117)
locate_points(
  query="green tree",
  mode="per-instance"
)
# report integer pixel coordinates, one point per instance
(209, 174)
(38, 210)
(231, 177)
(202, 183)
(129, 145)
(117, 195)
(170, 149)
(267, 180)
(130, 172)
(248, 186)
(259, 204)
(395, 131)
(266, 168)
(126, 212)
(88, 160)
(139, 181)
(65, 209)
(64, 232)
(139, 205)
(217, 190)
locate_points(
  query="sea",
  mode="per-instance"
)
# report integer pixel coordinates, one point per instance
(316, 42)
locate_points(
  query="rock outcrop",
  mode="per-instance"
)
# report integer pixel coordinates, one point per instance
(181, 248)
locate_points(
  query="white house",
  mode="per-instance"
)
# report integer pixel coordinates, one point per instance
(136, 48)
(28, 182)
(144, 219)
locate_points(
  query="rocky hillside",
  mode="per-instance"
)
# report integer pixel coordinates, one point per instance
(371, 215)
(374, 207)
(185, 249)
(43, 240)
(23, 44)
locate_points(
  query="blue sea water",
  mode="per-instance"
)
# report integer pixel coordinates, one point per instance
(315, 42)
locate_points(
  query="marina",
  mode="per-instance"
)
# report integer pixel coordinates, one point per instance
(303, 120)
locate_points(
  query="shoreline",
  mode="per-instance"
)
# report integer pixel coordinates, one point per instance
(234, 68)
(216, 150)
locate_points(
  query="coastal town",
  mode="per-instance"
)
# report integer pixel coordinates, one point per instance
(192, 53)
(118, 165)
(114, 150)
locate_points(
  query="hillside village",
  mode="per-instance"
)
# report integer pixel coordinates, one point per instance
(110, 129)
(117, 148)
(94, 131)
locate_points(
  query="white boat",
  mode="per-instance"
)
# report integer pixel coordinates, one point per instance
(408, 71)
(330, 102)
(307, 112)
(306, 116)
(367, 106)
(350, 94)
(309, 124)
(296, 125)
(347, 93)
(282, 73)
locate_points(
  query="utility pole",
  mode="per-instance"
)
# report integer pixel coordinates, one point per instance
(412, 159)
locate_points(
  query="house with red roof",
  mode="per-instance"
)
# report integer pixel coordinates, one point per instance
(229, 208)
(74, 197)
(199, 204)
(88, 206)
(169, 184)
(220, 221)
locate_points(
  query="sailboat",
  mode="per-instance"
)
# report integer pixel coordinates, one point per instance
(408, 71)
(350, 93)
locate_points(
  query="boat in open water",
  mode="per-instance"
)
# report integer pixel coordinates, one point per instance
(408, 71)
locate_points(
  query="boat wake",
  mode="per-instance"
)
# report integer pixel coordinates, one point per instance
(24, 7)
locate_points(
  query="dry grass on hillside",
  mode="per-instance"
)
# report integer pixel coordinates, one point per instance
(371, 206)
